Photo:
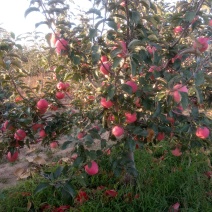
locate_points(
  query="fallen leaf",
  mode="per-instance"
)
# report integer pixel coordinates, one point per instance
(39, 160)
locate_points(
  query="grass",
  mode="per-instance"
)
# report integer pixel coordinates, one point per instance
(161, 183)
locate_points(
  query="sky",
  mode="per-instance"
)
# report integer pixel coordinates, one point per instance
(12, 17)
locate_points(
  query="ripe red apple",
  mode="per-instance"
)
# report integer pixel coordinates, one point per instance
(178, 29)
(18, 98)
(210, 23)
(201, 44)
(60, 95)
(12, 157)
(176, 95)
(53, 144)
(7, 126)
(117, 131)
(80, 135)
(53, 40)
(171, 120)
(61, 86)
(53, 107)
(60, 45)
(176, 152)
(202, 132)
(94, 169)
(133, 85)
(123, 45)
(151, 49)
(154, 68)
(105, 103)
(42, 104)
(111, 193)
(105, 67)
(42, 133)
(20, 135)
(36, 127)
(160, 136)
(130, 117)
(104, 58)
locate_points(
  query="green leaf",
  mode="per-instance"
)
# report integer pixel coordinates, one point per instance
(199, 95)
(189, 16)
(126, 88)
(69, 188)
(94, 11)
(58, 172)
(110, 91)
(112, 24)
(31, 9)
(199, 78)
(133, 67)
(184, 99)
(41, 187)
(158, 110)
(66, 144)
(135, 15)
(103, 143)
(140, 131)
(92, 33)
(153, 37)
(134, 43)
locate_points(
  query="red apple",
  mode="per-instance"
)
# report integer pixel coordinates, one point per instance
(151, 49)
(202, 132)
(53, 144)
(210, 23)
(176, 152)
(35, 127)
(160, 136)
(178, 29)
(61, 86)
(60, 45)
(18, 98)
(80, 135)
(201, 44)
(105, 67)
(130, 117)
(111, 193)
(20, 135)
(117, 131)
(42, 133)
(93, 169)
(60, 95)
(12, 157)
(133, 85)
(53, 40)
(106, 103)
(176, 95)
(7, 126)
(42, 104)
(104, 58)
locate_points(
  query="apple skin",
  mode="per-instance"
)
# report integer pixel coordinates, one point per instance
(61, 86)
(60, 95)
(20, 135)
(94, 169)
(42, 104)
(176, 152)
(201, 44)
(160, 136)
(80, 135)
(130, 117)
(176, 95)
(53, 145)
(105, 103)
(60, 45)
(12, 158)
(42, 133)
(210, 23)
(133, 85)
(105, 68)
(117, 131)
(104, 58)
(178, 29)
(202, 132)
